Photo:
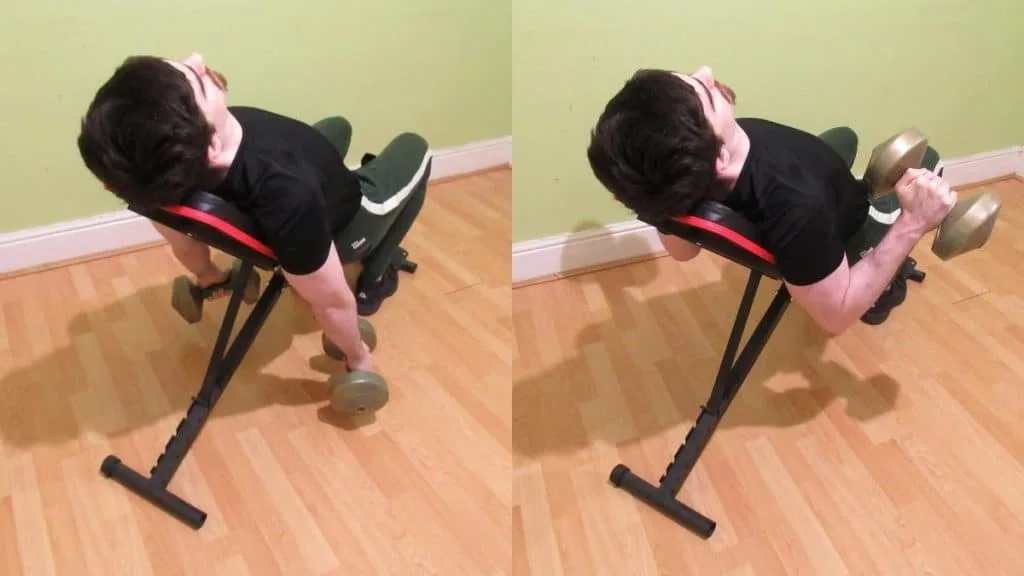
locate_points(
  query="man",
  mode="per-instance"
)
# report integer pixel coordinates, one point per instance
(669, 141)
(158, 130)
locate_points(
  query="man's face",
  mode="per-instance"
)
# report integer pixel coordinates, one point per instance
(209, 86)
(717, 99)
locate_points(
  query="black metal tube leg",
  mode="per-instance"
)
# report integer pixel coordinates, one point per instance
(219, 372)
(663, 496)
(167, 501)
(154, 488)
(663, 501)
(731, 376)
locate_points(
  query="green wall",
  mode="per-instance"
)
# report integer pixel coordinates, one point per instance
(439, 68)
(460, 71)
(952, 68)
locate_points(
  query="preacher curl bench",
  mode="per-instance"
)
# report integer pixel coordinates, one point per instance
(719, 230)
(220, 225)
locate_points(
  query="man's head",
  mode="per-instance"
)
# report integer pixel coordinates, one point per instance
(154, 131)
(663, 142)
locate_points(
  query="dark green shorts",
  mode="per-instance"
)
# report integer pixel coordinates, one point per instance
(881, 215)
(396, 177)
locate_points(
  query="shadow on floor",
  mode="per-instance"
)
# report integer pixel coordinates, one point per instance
(134, 361)
(565, 408)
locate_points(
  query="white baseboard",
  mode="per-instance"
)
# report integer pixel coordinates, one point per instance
(472, 157)
(985, 166)
(564, 253)
(84, 237)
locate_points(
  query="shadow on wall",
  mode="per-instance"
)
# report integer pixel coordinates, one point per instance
(611, 245)
(620, 383)
(134, 362)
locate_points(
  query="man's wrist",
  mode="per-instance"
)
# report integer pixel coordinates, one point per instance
(909, 226)
(360, 356)
(209, 271)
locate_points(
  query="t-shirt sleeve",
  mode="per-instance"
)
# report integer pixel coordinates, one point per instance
(803, 236)
(292, 219)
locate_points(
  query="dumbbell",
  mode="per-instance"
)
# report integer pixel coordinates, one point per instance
(967, 227)
(188, 299)
(356, 392)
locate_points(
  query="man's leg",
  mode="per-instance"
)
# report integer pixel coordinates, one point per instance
(394, 188)
(379, 271)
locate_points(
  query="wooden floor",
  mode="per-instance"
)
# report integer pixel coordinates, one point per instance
(94, 361)
(896, 449)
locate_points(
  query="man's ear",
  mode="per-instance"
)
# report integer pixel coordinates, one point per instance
(722, 161)
(213, 151)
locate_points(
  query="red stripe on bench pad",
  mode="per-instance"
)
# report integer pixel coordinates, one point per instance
(728, 234)
(222, 227)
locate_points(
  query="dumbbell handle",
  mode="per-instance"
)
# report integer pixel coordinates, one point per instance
(957, 208)
(966, 227)
(884, 188)
(968, 224)
(878, 191)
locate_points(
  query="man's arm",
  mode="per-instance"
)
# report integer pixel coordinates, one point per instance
(193, 255)
(678, 248)
(847, 293)
(841, 298)
(292, 215)
(333, 306)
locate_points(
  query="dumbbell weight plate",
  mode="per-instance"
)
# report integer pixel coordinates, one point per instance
(330, 349)
(183, 300)
(894, 156)
(358, 392)
(252, 283)
(187, 299)
(968, 226)
(366, 332)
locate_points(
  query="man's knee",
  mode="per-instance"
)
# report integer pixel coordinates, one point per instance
(413, 141)
(414, 162)
(412, 147)
(338, 131)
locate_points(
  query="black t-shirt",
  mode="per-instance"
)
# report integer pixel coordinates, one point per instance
(292, 182)
(801, 196)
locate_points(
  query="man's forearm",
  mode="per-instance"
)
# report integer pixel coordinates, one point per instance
(870, 276)
(196, 259)
(191, 253)
(340, 324)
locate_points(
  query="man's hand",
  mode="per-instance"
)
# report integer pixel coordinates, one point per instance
(678, 248)
(925, 199)
(363, 363)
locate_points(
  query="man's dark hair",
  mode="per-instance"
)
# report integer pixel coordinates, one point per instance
(653, 148)
(144, 136)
